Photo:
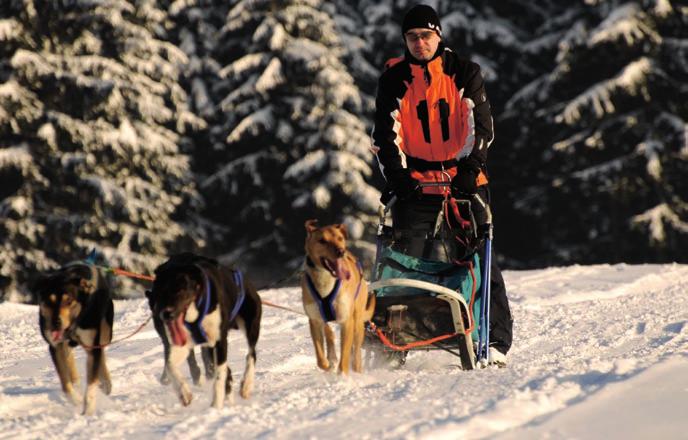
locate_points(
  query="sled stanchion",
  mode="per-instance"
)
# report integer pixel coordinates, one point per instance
(484, 326)
(380, 235)
(484, 333)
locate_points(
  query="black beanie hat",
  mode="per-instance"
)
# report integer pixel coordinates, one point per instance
(421, 16)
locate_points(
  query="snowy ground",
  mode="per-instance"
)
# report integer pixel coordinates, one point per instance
(600, 352)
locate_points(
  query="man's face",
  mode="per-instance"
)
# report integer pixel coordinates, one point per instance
(422, 43)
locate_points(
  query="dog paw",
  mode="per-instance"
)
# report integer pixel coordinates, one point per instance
(324, 365)
(89, 407)
(196, 375)
(164, 379)
(75, 397)
(90, 399)
(199, 381)
(106, 387)
(185, 395)
(246, 388)
(219, 401)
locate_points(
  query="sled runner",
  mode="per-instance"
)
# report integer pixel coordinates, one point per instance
(429, 290)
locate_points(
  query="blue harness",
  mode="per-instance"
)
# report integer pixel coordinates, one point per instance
(326, 303)
(203, 304)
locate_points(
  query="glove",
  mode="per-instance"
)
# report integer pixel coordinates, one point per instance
(400, 184)
(464, 183)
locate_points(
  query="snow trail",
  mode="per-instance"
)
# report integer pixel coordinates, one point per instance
(585, 338)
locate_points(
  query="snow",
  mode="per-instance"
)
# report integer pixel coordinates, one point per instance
(249, 162)
(240, 67)
(271, 77)
(278, 38)
(625, 22)
(312, 161)
(599, 352)
(9, 29)
(657, 217)
(260, 120)
(651, 151)
(631, 80)
(601, 169)
(28, 107)
(626, 401)
(663, 8)
(19, 157)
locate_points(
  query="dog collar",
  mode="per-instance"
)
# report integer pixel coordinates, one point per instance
(309, 262)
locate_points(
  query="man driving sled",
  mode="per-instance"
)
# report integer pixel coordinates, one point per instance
(433, 127)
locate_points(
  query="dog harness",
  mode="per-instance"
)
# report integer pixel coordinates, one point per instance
(326, 303)
(203, 304)
(89, 263)
(239, 281)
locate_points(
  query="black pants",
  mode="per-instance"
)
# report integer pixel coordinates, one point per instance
(419, 215)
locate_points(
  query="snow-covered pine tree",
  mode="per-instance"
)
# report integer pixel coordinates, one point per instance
(350, 26)
(607, 127)
(492, 34)
(91, 118)
(195, 26)
(295, 148)
(381, 29)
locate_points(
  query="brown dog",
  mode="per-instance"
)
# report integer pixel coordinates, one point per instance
(333, 289)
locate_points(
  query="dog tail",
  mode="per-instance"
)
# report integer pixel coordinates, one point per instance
(370, 306)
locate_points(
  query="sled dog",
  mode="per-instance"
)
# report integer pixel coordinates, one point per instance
(333, 289)
(75, 308)
(198, 301)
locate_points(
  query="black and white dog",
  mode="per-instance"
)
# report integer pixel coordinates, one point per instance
(199, 301)
(75, 308)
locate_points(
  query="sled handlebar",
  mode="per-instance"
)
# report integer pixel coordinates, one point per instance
(431, 184)
(475, 197)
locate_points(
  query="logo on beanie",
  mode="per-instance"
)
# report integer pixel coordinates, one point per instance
(435, 27)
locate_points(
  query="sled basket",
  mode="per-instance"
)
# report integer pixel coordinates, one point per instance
(419, 299)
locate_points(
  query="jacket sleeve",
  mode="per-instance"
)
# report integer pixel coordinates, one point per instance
(387, 138)
(484, 129)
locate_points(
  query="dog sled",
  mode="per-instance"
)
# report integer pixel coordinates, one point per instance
(433, 295)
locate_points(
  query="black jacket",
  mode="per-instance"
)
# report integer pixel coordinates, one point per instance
(398, 87)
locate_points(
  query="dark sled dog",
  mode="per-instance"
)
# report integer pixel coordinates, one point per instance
(75, 308)
(198, 302)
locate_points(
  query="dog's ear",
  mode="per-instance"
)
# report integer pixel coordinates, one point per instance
(311, 225)
(342, 227)
(39, 284)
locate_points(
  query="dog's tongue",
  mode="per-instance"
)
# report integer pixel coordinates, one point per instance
(177, 332)
(341, 270)
(57, 335)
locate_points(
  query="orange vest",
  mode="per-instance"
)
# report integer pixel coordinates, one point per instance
(433, 122)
